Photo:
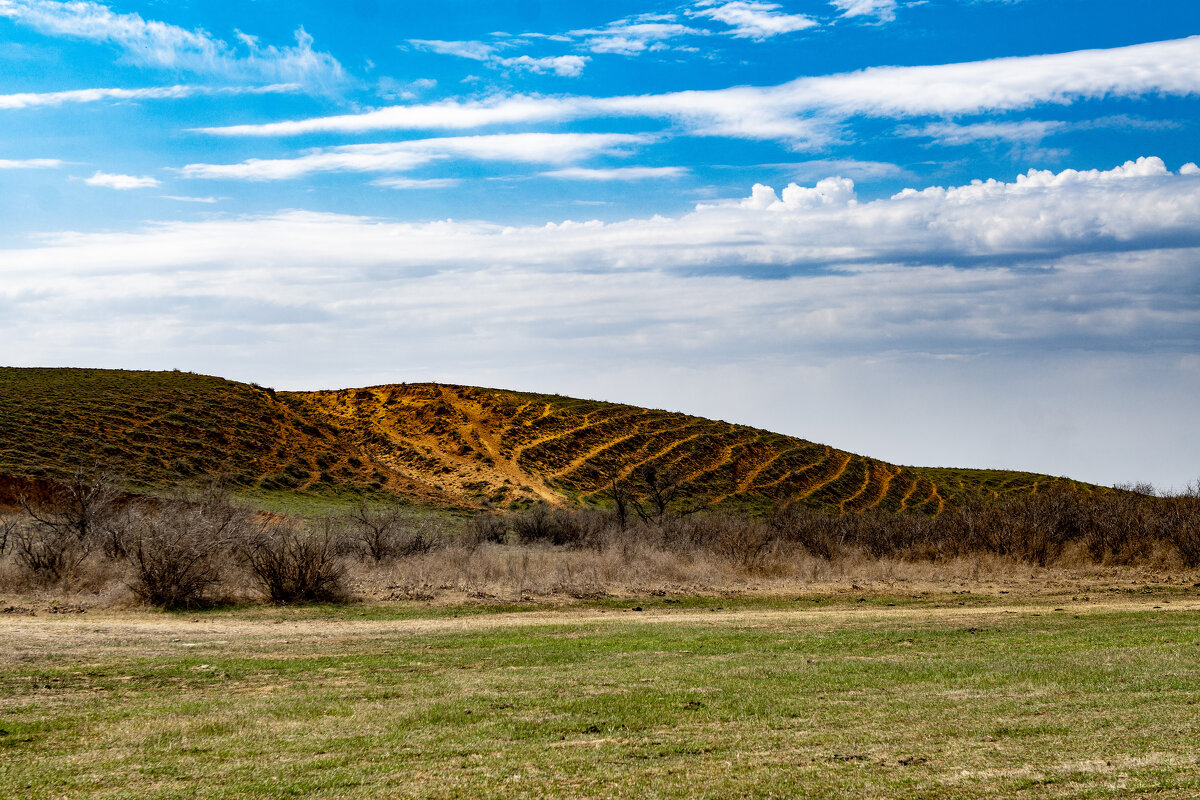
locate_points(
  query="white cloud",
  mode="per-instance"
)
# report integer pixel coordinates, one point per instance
(753, 20)
(476, 51)
(564, 66)
(570, 66)
(883, 10)
(1022, 131)
(530, 148)
(30, 163)
(417, 183)
(632, 37)
(1040, 215)
(114, 181)
(185, 199)
(827, 192)
(616, 174)
(161, 45)
(807, 112)
(42, 99)
(954, 134)
(846, 167)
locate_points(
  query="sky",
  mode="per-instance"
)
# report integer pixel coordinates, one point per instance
(935, 232)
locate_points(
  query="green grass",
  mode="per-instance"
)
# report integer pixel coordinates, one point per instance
(719, 699)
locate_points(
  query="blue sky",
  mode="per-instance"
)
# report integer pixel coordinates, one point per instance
(957, 232)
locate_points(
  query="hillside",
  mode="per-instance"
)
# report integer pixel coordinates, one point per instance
(440, 444)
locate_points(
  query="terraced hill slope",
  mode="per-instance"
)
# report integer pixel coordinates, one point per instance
(439, 444)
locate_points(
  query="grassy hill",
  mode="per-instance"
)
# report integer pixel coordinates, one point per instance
(438, 444)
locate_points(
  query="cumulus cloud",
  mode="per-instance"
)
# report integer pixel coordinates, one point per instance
(883, 10)
(115, 181)
(164, 46)
(530, 148)
(30, 163)
(827, 192)
(753, 20)
(42, 99)
(616, 173)
(1041, 215)
(807, 112)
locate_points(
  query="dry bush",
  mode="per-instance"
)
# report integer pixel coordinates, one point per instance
(179, 548)
(384, 533)
(296, 565)
(82, 506)
(486, 526)
(1178, 522)
(818, 533)
(47, 554)
(542, 524)
(8, 525)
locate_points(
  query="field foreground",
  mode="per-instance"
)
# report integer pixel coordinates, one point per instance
(811, 696)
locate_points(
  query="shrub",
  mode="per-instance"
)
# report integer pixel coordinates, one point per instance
(8, 524)
(383, 533)
(817, 532)
(487, 526)
(1179, 523)
(179, 548)
(559, 526)
(295, 565)
(47, 553)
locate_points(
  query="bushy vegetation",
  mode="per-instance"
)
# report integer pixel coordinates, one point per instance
(191, 548)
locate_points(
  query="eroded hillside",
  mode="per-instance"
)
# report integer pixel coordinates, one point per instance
(437, 444)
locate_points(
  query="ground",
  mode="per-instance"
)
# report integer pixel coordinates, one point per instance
(814, 695)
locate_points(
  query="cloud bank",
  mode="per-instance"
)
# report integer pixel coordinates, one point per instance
(805, 112)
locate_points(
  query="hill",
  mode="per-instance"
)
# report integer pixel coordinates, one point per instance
(439, 444)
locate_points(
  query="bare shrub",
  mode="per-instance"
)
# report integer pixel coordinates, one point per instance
(48, 554)
(8, 524)
(487, 526)
(179, 548)
(383, 533)
(296, 565)
(80, 506)
(743, 541)
(817, 532)
(559, 526)
(1178, 522)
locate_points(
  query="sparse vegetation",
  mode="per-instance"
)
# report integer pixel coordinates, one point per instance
(445, 445)
(849, 694)
(185, 549)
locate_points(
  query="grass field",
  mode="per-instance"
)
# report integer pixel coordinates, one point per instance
(816, 696)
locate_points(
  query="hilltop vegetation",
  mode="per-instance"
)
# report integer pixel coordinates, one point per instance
(444, 445)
